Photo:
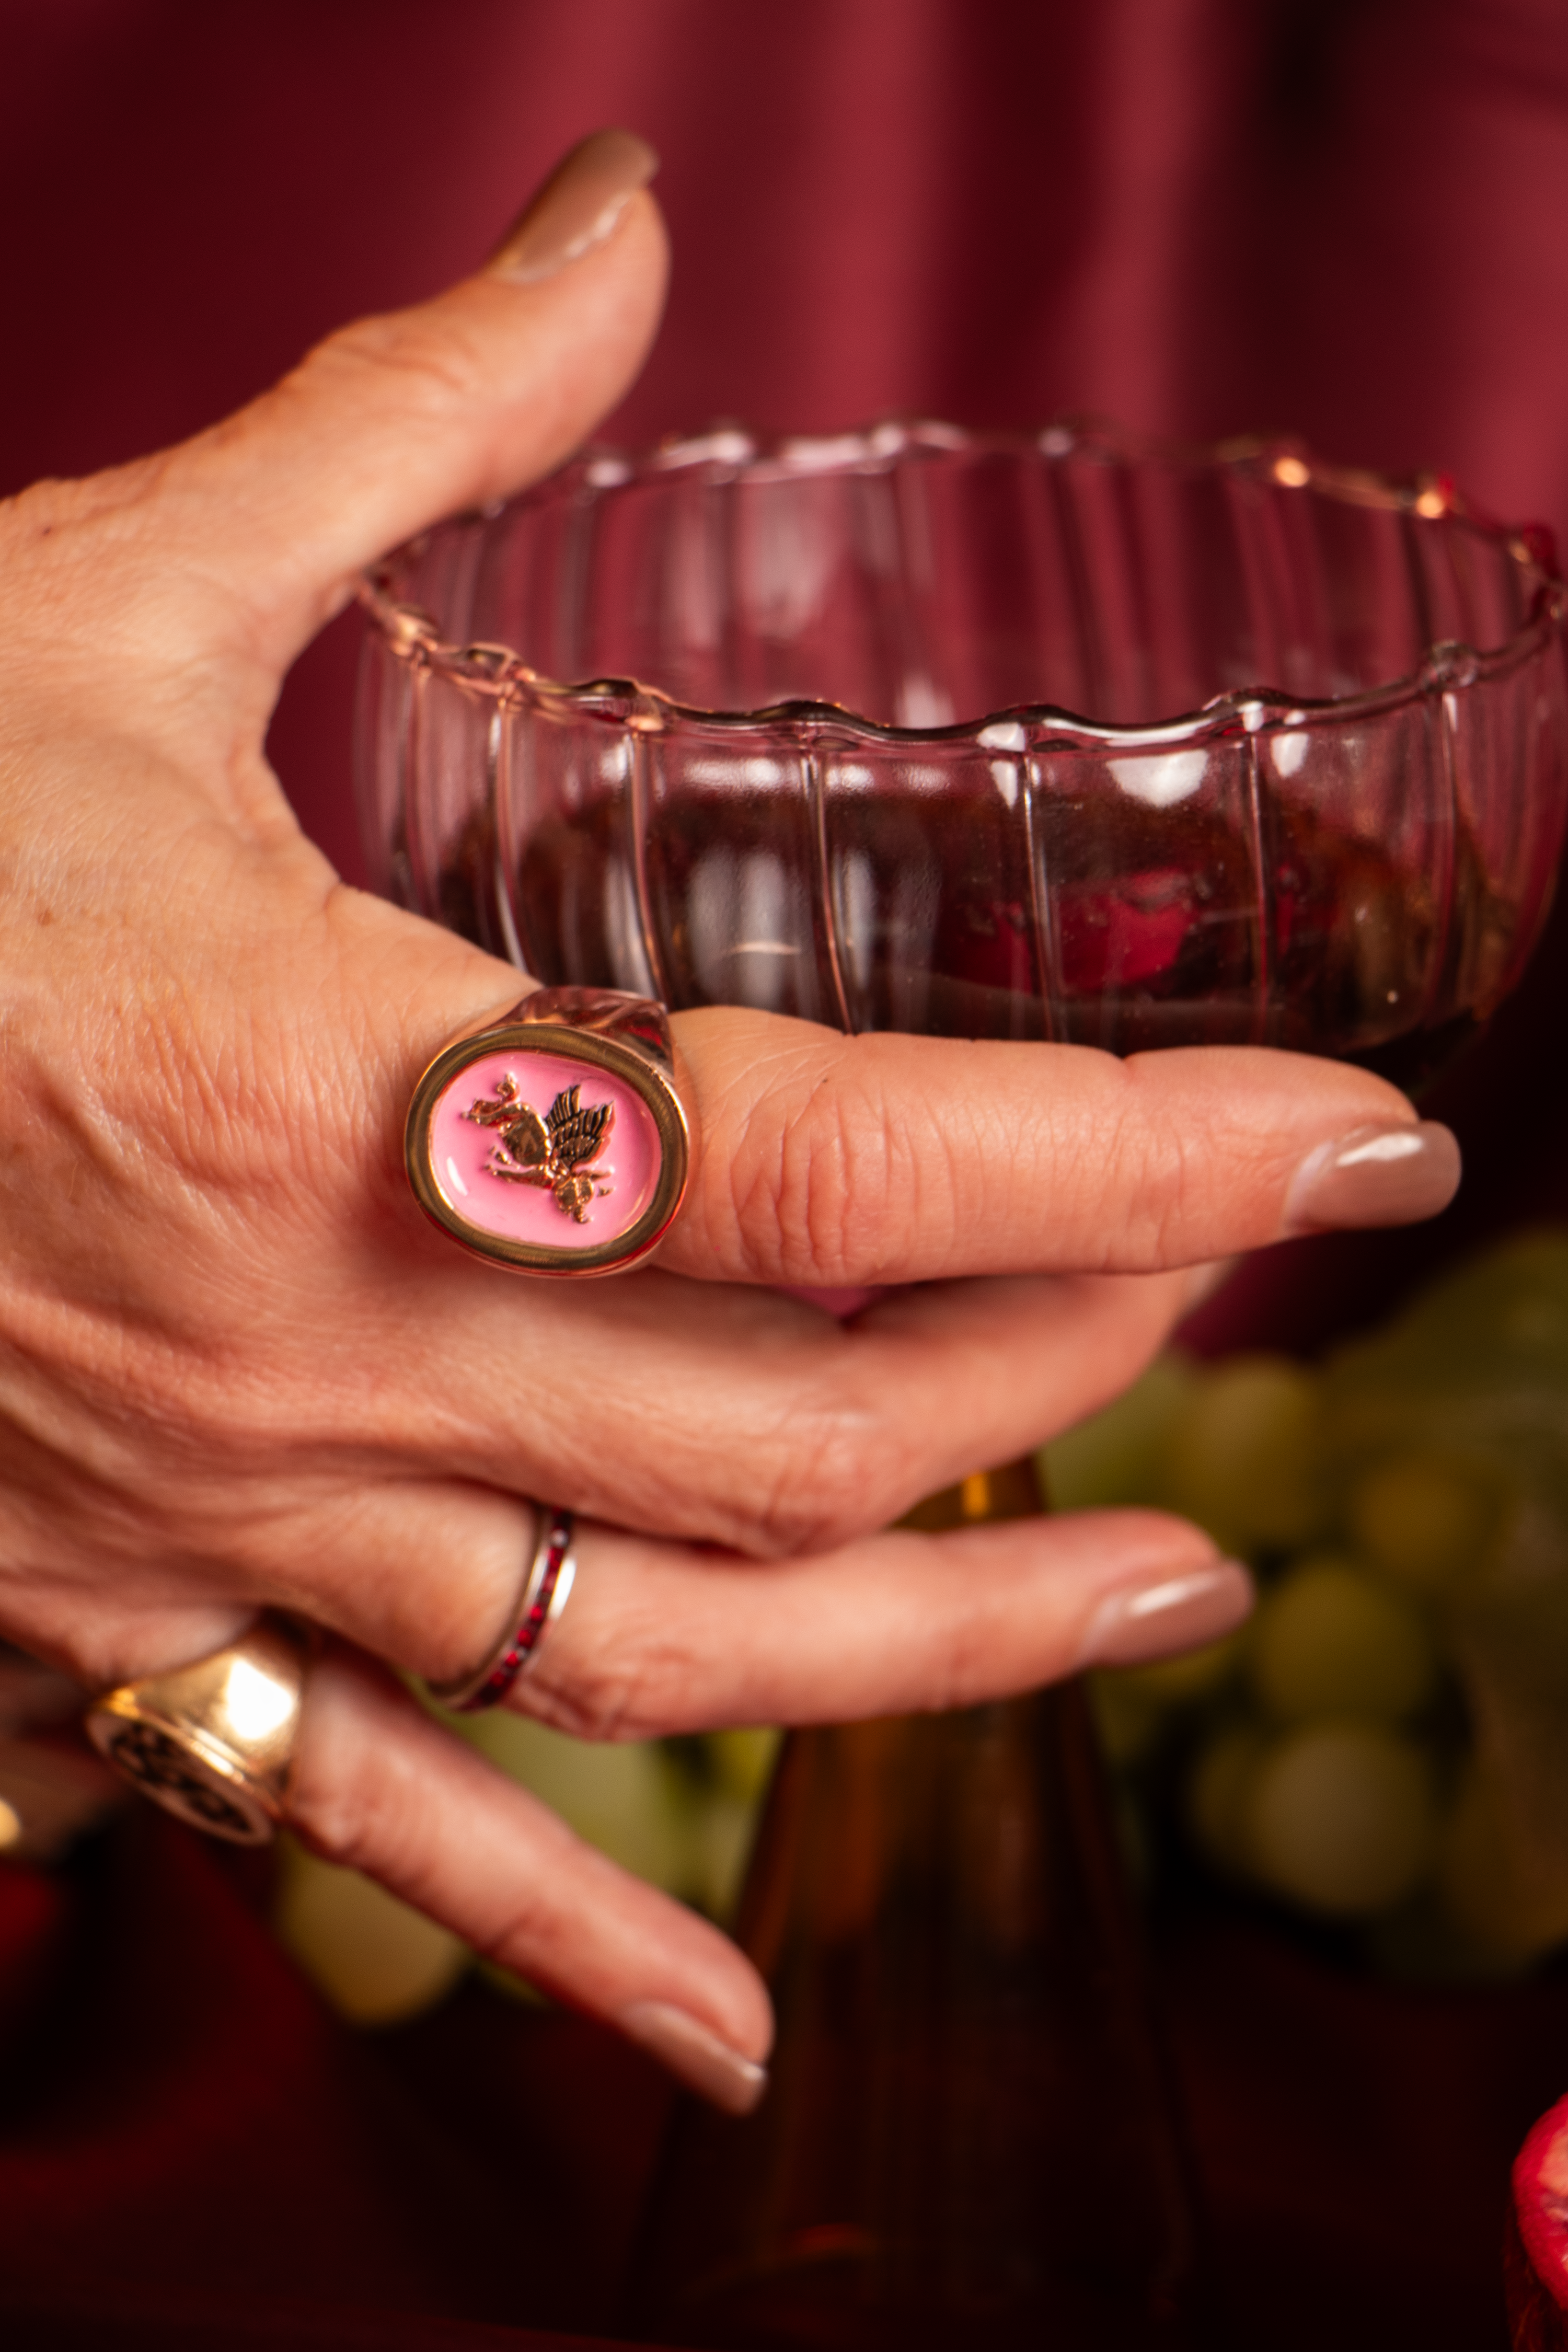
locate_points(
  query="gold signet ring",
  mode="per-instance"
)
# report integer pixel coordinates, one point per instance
(553, 1139)
(212, 1742)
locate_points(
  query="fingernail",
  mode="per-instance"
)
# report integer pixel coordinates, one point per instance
(578, 207)
(1180, 1613)
(697, 2054)
(1374, 1176)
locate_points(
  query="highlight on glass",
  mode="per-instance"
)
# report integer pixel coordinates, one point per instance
(1062, 735)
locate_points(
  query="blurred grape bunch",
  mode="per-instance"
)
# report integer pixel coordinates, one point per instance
(1388, 1743)
(679, 1812)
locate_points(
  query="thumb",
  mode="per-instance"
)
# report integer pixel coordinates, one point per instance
(394, 422)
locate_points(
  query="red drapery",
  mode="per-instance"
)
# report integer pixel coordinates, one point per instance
(1343, 218)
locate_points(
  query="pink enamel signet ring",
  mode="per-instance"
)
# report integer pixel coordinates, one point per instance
(551, 1139)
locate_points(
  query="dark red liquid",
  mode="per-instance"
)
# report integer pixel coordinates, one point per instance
(1128, 927)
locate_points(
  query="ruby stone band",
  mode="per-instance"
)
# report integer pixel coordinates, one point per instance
(546, 1589)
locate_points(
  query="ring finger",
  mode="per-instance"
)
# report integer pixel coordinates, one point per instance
(660, 1637)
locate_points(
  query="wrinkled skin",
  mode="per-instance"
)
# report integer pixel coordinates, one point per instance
(237, 1368)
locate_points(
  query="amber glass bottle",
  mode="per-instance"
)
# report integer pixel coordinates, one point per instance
(968, 2140)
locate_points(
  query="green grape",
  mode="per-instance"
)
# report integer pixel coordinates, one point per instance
(1340, 1818)
(1241, 1455)
(1219, 1791)
(1117, 1455)
(377, 1961)
(623, 1797)
(1504, 1309)
(1422, 1519)
(723, 1837)
(1472, 1373)
(743, 1761)
(1329, 1640)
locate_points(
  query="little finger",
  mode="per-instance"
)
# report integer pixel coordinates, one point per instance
(658, 1638)
(378, 1787)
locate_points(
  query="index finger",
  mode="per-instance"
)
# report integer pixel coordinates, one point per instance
(885, 1159)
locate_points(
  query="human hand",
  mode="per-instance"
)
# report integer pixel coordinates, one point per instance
(238, 1371)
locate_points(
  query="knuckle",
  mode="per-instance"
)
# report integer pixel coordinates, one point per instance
(1128, 1194)
(429, 367)
(825, 1187)
(1188, 1186)
(789, 1201)
(624, 1693)
(834, 1483)
(516, 1932)
(343, 1821)
(354, 1799)
(962, 1668)
(1172, 1183)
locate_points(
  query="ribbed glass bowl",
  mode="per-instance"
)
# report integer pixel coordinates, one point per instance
(1062, 735)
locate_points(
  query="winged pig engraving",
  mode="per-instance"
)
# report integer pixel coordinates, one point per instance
(552, 1152)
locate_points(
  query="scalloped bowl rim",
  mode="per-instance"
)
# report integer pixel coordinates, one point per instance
(1450, 665)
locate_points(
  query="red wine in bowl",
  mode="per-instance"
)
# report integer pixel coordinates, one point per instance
(930, 917)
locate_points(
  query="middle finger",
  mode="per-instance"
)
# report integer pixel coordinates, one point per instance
(660, 1637)
(885, 1158)
(731, 1414)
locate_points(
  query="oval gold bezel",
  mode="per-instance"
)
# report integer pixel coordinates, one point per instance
(598, 1051)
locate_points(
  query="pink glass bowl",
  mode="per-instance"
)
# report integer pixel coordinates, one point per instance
(1061, 735)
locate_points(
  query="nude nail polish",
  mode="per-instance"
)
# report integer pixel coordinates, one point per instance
(577, 208)
(1374, 1176)
(1177, 1613)
(697, 2054)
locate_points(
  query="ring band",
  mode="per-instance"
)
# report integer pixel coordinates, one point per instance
(551, 1574)
(552, 1140)
(212, 1742)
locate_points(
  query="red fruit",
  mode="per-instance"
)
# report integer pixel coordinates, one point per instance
(1535, 2256)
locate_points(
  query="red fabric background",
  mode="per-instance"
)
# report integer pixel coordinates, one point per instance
(1344, 218)
(1340, 216)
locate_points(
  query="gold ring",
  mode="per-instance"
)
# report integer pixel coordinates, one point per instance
(212, 1742)
(552, 1140)
(546, 1587)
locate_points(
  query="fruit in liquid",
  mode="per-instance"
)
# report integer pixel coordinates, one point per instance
(1134, 929)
